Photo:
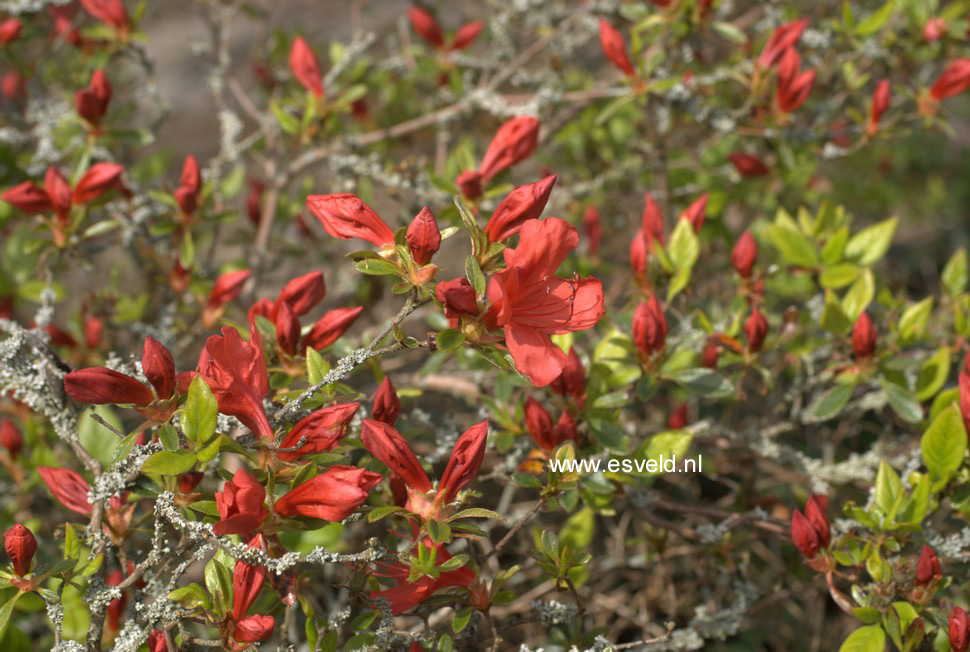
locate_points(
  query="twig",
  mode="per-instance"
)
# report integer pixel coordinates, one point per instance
(514, 530)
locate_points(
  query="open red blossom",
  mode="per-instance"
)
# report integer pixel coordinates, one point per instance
(572, 381)
(346, 216)
(20, 544)
(744, 254)
(92, 102)
(240, 505)
(10, 438)
(406, 595)
(652, 222)
(512, 143)
(247, 581)
(9, 30)
(959, 629)
(109, 12)
(748, 165)
(593, 226)
(466, 35)
(227, 287)
(303, 293)
(804, 535)
(330, 327)
(530, 303)
(331, 496)
(423, 236)
(305, 67)
(426, 26)
(783, 38)
(236, 373)
(755, 330)
(954, 80)
(252, 629)
(28, 198)
(864, 337)
(457, 296)
(387, 406)
(522, 204)
(696, 212)
(190, 183)
(928, 567)
(68, 487)
(538, 422)
(322, 430)
(649, 327)
(878, 106)
(614, 47)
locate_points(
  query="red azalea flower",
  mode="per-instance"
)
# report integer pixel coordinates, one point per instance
(696, 212)
(303, 293)
(236, 373)
(20, 544)
(92, 102)
(744, 254)
(614, 47)
(864, 337)
(423, 236)
(330, 327)
(649, 327)
(322, 429)
(346, 216)
(513, 142)
(109, 12)
(426, 26)
(519, 206)
(10, 438)
(331, 496)
(783, 38)
(387, 406)
(878, 106)
(305, 67)
(70, 489)
(466, 35)
(653, 222)
(572, 381)
(190, 183)
(247, 581)
(407, 595)
(954, 80)
(530, 303)
(240, 505)
(457, 297)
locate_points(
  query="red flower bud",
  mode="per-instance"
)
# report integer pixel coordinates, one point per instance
(68, 487)
(934, 29)
(13, 86)
(103, 386)
(793, 86)
(92, 102)
(240, 505)
(10, 438)
(305, 67)
(964, 383)
(458, 298)
(423, 236)
(745, 254)
(99, 179)
(864, 337)
(190, 183)
(748, 165)
(928, 567)
(386, 444)
(247, 581)
(189, 481)
(254, 201)
(20, 544)
(755, 330)
(93, 329)
(653, 222)
(710, 354)
(572, 381)
(696, 212)
(804, 536)
(227, 287)
(466, 35)
(28, 198)
(346, 216)
(783, 38)
(815, 513)
(539, 424)
(156, 641)
(880, 102)
(565, 429)
(252, 629)
(470, 182)
(331, 496)
(109, 12)
(649, 327)
(303, 293)
(287, 329)
(593, 226)
(522, 204)
(387, 406)
(678, 418)
(9, 30)
(322, 430)
(59, 192)
(954, 80)
(330, 327)
(159, 367)
(466, 459)
(959, 626)
(638, 256)
(426, 26)
(513, 142)
(614, 47)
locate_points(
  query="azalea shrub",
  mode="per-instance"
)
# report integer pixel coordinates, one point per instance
(533, 324)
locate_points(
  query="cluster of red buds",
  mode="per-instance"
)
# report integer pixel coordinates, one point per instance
(427, 28)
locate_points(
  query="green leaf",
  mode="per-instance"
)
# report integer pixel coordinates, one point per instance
(6, 611)
(377, 267)
(829, 404)
(449, 339)
(902, 402)
(888, 488)
(865, 639)
(190, 596)
(730, 32)
(793, 246)
(859, 296)
(876, 20)
(955, 273)
(219, 583)
(169, 463)
(461, 619)
(97, 439)
(378, 513)
(439, 531)
(839, 276)
(473, 272)
(72, 546)
(933, 374)
(288, 123)
(684, 246)
(201, 411)
(912, 323)
(944, 443)
(124, 448)
(703, 382)
(316, 366)
(169, 437)
(477, 512)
